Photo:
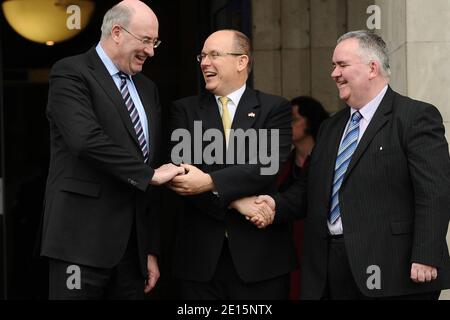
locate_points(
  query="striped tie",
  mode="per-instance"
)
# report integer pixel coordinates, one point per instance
(346, 149)
(134, 115)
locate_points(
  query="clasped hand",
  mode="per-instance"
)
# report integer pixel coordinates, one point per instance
(193, 181)
(184, 179)
(165, 173)
(258, 210)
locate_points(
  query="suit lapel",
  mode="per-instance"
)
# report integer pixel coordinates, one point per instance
(104, 79)
(246, 112)
(209, 114)
(380, 118)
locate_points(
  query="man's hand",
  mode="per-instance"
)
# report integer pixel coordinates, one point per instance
(261, 215)
(165, 173)
(260, 221)
(267, 199)
(195, 181)
(423, 273)
(153, 273)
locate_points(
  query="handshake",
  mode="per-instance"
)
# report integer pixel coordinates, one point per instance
(187, 179)
(259, 210)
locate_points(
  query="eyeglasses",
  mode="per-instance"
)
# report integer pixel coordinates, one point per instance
(213, 55)
(145, 41)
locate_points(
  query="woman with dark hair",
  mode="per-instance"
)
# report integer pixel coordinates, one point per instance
(307, 116)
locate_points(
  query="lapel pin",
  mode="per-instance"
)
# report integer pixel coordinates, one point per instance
(251, 115)
(381, 148)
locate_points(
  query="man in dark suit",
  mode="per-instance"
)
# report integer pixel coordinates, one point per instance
(378, 189)
(99, 230)
(219, 254)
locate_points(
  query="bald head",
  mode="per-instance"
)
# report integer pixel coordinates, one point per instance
(137, 7)
(129, 35)
(124, 12)
(240, 43)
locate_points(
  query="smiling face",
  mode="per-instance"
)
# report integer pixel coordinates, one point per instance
(132, 53)
(223, 73)
(351, 73)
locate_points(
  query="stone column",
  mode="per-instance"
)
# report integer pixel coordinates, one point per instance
(267, 45)
(295, 48)
(294, 41)
(418, 37)
(328, 22)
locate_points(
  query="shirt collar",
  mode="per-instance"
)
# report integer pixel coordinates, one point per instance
(235, 96)
(109, 64)
(368, 110)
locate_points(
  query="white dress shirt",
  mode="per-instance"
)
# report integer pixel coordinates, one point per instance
(233, 101)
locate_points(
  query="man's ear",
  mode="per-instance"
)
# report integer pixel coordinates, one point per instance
(115, 33)
(242, 62)
(374, 69)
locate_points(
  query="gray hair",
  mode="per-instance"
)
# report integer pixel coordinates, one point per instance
(119, 14)
(372, 47)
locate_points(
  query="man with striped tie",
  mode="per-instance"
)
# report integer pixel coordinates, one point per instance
(378, 188)
(100, 229)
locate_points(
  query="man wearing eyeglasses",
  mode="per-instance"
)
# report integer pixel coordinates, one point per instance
(100, 226)
(219, 254)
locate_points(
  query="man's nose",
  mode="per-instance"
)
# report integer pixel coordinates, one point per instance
(335, 73)
(205, 61)
(149, 51)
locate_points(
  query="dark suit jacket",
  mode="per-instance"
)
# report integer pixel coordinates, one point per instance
(257, 254)
(98, 183)
(395, 199)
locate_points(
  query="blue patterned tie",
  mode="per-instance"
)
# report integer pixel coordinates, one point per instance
(134, 115)
(346, 149)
